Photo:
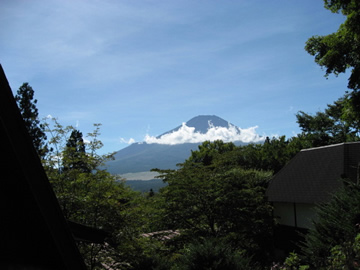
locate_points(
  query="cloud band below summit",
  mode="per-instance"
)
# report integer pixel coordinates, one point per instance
(187, 134)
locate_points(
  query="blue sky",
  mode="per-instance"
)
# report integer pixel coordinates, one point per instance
(141, 68)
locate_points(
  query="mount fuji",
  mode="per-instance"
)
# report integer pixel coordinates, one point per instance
(170, 148)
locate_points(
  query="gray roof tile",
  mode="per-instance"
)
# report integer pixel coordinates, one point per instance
(313, 174)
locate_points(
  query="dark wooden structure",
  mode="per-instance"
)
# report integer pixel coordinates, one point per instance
(315, 173)
(310, 178)
(33, 231)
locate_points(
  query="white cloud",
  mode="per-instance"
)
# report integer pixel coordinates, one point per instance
(188, 135)
(130, 141)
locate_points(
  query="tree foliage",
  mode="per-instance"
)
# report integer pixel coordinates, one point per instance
(338, 123)
(209, 151)
(272, 155)
(340, 51)
(74, 155)
(207, 198)
(346, 255)
(29, 112)
(337, 225)
(91, 196)
(212, 253)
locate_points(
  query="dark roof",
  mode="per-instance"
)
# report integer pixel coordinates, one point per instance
(87, 234)
(313, 174)
(33, 230)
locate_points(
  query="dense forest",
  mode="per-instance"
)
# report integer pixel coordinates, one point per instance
(213, 213)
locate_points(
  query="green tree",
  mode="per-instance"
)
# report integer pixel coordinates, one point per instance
(292, 262)
(29, 112)
(208, 151)
(74, 155)
(337, 224)
(91, 196)
(340, 51)
(207, 197)
(351, 112)
(212, 253)
(76, 141)
(336, 124)
(345, 256)
(272, 155)
(276, 152)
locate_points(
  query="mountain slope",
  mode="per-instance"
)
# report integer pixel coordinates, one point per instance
(142, 157)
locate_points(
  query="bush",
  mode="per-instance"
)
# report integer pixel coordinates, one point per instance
(337, 224)
(214, 254)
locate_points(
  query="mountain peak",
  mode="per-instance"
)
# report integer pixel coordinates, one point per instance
(202, 123)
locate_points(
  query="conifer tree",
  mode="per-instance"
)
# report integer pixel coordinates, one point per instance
(29, 112)
(337, 223)
(75, 153)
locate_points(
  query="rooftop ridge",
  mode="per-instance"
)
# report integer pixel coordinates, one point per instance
(328, 146)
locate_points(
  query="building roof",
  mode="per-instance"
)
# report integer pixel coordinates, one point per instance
(315, 173)
(163, 235)
(33, 231)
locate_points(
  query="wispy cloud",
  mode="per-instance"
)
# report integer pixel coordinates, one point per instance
(129, 141)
